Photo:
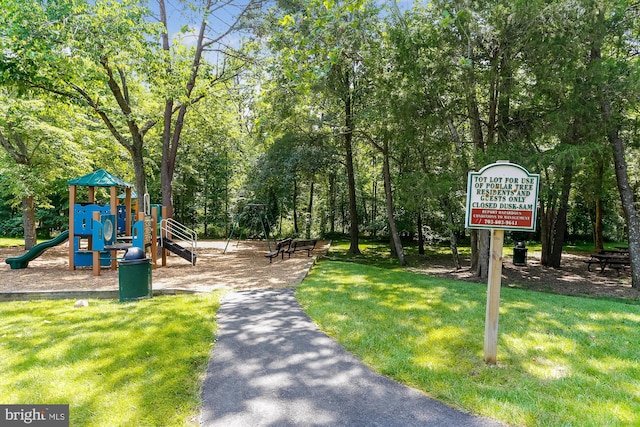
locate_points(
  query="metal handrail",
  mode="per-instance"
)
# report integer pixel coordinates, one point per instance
(171, 227)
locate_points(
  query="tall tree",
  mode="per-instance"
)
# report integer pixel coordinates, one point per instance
(616, 75)
(41, 147)
(86, 53)
(102, 54)
(185, 65)
(319, 47)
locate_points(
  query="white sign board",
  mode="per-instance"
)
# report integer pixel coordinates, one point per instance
(502, 196)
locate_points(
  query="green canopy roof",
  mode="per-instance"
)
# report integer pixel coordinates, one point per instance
(99, 178)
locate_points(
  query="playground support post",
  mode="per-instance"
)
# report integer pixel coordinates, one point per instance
(72, 202)
(96, 254)
(127, 206)
(154, 237)
(114, 211)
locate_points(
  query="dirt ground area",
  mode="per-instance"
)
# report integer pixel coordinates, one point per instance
(572, 278)
(243, 265)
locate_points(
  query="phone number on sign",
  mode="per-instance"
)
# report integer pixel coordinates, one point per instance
(507, 218)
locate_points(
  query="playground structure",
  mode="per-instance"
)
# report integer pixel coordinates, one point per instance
(93, 228)
(254, 214)
(109, 229)
(98, 232)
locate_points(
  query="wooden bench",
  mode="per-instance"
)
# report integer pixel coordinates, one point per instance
(618, 264)
(281, 247)
(591, 261)
(616, 261)
(301, 245)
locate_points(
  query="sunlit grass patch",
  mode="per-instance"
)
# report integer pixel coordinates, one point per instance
(11, 241)
(561, 360)
(115, 364)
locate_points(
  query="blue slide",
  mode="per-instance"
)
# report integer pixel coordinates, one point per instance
(22, 261)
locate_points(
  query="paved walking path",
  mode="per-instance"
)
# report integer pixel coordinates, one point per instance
(272, 367)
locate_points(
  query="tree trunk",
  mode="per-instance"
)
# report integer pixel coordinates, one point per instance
(547, 213)
(351, 179)
(332, 203)
(343, 216)
(627, 198)
(475, 253)
(452, 234)
(504, 93)
(17, 150)
(484, 243)
(627, 195)
(29, 222)
(598, 233)
(171, 137)
(481, 255)
(374, 205)
(420, 234)
(309, 213)
(166, 168)
(137, 159)
(560, 222)
(454, 249)
(295, 205)
(386, 172)
(353, 207)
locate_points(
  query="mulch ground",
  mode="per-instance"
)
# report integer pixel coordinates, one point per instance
(572, 278)
(243, 266)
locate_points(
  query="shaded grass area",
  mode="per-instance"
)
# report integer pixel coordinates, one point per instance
(115, 364)
(377, 252)
(561, 360)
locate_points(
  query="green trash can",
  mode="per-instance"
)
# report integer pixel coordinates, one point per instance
(134, 276)
(520, 254)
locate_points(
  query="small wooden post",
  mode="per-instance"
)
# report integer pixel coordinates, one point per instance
(493, 297)
(96, 254)
(114, 211)
(72, 237)
(154, 237)
(127, 215)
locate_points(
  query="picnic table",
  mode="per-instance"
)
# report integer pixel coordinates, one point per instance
(612, 259)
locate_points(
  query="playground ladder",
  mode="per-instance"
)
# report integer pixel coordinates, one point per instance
(170, 228)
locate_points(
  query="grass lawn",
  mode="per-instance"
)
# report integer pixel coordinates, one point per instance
(561, 360)
(115, 364)
(377, 252)
(11, 241)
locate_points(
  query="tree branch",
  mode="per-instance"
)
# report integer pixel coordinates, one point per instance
(105, 118)
(12, 151)
(371, 140)
(125, 88)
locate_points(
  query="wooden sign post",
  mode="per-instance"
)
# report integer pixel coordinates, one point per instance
(493, 297)
(502, 196)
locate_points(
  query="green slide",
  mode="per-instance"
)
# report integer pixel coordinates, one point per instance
(22, 261)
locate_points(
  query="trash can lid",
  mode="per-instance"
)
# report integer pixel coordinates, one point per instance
(129, 262)
(134, 253)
